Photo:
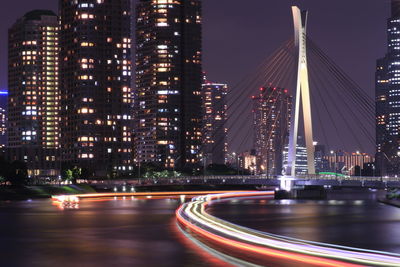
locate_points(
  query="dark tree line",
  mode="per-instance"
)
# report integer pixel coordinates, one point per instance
(13, 173)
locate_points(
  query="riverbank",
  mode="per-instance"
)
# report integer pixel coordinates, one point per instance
(43, 191)
(391, 202)
(392, 198)
(177, 188)
(47, 191)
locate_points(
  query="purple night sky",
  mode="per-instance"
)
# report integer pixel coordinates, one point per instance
(237, 35)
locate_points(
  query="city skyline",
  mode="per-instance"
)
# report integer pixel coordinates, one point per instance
(200, 133)
(223, 48)
(174, 86)
(221, 42)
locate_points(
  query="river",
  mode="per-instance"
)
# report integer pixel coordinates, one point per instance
(143, 232)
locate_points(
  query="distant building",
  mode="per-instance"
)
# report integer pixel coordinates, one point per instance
(382, 104)
(348, 162)
(272, 110)
(301, 156)
(388, 99)
(231, 159)
(214, 120)
(248, 161)
(321, 163)
(33, 102)
(95, 84)
(168, 106)
(301, 160)
(369, 169)
(3, 120)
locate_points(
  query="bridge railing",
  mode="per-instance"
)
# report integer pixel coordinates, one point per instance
(224, 178)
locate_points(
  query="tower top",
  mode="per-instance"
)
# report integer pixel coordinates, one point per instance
(38, 13)
(395, 8)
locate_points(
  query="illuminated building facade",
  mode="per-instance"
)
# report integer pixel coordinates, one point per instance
(348, 163)
(381, 90)
(247, 161)
(33, 102)
(95, 84)
(3, 119)
(272, 112)
(321, 164)
(168, 105)
(214, 120)
(388, 99)
(301, 157)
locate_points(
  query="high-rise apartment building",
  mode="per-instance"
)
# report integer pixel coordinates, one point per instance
(272, 113)
(381, 91)
(3, 120)
(388, 99)
(321, 164)
(168, 106)
(33, 103)
(215, 145)
(95, 85)
(301, 157)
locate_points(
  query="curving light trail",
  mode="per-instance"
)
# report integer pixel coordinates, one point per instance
(76, 197)
(193, 216)
(72, 201)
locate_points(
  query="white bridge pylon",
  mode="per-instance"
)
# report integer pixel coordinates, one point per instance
(302, 97)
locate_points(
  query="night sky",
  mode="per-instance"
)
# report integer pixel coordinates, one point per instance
(237, 35)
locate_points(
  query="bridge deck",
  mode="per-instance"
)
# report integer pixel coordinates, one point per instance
(332, 181)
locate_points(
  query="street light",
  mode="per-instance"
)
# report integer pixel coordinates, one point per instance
(139, 168)
(358, 154)
(335, 166)
(204, 163)
(237, 161)
(373, 170)
(175, 160)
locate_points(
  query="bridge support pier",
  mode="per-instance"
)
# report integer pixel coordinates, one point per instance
(289, 190)
(286, 183)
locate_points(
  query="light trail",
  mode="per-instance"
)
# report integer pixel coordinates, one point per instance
(72, 201)
(193, 216)
(76, 197)
(217, 258)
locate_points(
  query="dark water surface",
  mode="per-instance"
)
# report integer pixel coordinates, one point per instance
(142, 232)
(139, 232)
(351, 218)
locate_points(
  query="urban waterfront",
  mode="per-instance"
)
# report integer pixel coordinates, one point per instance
(200, 133)
(143, 231)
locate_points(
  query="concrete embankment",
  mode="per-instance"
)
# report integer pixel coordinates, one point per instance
(43, 191)
(392, 202)
(164, 188)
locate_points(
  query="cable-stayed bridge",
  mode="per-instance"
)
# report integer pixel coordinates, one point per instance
(326, 106)
(249, 180)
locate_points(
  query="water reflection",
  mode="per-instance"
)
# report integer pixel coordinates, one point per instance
(102, 232)
(354, 219)
(66, 202)
(137, 231)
